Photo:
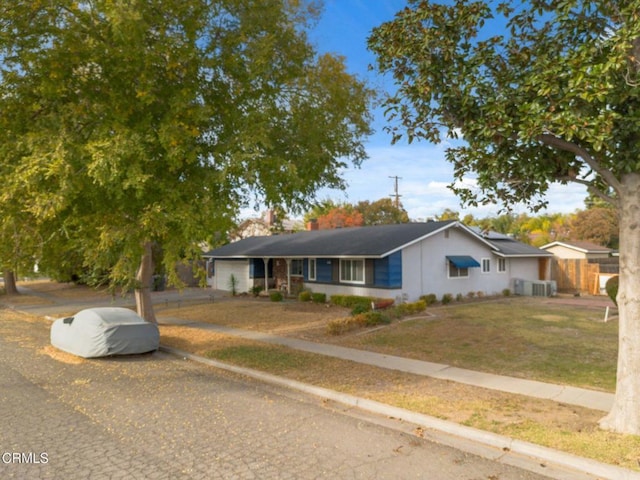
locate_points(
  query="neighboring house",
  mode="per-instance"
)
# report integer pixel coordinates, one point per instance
(404, 260)
(582, 267)
(577, 250)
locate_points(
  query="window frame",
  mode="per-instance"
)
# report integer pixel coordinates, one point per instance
(299, 271)
(314, 269)
(459, 272)
(485, 265)
(347, 264)
(502, 265)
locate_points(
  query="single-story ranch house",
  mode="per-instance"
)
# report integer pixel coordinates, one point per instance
(402, 261)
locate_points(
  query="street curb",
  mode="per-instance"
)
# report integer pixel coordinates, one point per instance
(543, 455)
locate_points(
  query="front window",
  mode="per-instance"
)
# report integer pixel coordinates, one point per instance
(352, 271)
(295, 268)
(455, 272)
(312, 269)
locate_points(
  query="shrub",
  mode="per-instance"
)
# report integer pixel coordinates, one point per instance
(276, 296)
(446, 298)
(341, 325)
(256, 289)
(429, 298)
(480, 293)
(506, 292)
(459, 297)
(350, 301)
(410, 308)
(371, 319)
(360, 308)
(304, 296)
(471, 294)
(319, 297)
(612, 288)
(233, 285)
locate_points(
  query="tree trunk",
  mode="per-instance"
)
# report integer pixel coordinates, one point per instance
(625, 414)
(10, 287)
(144, 278)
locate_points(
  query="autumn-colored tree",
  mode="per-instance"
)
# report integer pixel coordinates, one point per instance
(340, 217)
(598, 225)
(152, 123)
(447, 214)
(382, 212)
(553, 97)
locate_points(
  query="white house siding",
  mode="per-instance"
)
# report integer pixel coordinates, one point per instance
(425, 267)
(223, 271)
(561, 251)
(346, 289)
(525, 268)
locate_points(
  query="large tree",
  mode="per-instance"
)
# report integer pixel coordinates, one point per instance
(547, 92)
(150, 123)
(382, 212)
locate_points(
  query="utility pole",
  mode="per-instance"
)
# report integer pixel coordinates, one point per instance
(395, 191)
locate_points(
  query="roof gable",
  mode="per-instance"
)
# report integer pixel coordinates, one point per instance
(580, 246)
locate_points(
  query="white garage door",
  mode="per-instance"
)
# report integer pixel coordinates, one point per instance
(239, 269)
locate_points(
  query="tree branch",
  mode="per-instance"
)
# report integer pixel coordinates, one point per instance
(608, 177)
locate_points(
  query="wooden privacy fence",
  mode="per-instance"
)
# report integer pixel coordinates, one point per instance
(580, 275)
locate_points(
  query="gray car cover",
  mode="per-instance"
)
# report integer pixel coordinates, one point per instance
(99, 332)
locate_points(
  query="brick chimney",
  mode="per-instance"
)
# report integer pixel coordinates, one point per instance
(270, 218)
(312, 224)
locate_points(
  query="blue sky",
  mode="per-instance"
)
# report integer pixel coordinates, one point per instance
(424, 174)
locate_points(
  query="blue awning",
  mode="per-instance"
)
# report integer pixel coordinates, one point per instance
(463, 261)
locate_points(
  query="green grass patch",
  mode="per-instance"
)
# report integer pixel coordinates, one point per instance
(272, 358)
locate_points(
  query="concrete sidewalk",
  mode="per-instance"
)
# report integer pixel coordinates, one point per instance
(558, 393)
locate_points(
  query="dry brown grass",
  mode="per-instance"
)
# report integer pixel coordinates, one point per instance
(566, 428)
(563, 427)
(286, 318)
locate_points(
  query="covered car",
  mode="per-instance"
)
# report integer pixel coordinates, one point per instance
(100, 332)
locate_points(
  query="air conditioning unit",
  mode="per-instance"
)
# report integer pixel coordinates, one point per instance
(535, 288)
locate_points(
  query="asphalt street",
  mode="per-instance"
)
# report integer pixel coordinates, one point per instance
(157, 416)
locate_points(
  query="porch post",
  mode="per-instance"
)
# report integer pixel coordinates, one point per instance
(288, 260)
(266, 274)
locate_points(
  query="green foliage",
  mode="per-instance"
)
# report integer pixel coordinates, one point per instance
(340, 326)
(233, 284)
(256, 289)
(319, 297)
(304, 296)
(506, 292)
(156, 121)
(533, 107)
(410, 308)
(429, 298)
(372, 319)
(360, 308)
(612, 288)
(350, 301)
(447, 298)
(459, 297)
(276, 296)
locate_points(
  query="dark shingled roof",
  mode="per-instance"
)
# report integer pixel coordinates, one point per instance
(375, 241)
